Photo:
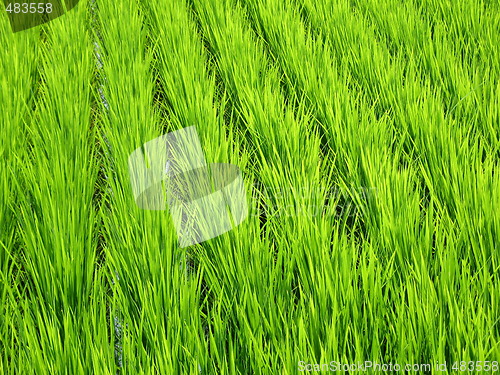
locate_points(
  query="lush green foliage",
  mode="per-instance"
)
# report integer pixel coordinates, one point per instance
(368, 133)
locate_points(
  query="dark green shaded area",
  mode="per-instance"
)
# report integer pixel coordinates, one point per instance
(36, 14)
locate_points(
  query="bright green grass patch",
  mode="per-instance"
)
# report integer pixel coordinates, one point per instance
(368, 138)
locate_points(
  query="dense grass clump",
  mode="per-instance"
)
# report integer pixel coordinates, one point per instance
(368, 134)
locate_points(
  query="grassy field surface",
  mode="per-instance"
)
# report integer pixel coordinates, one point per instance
(368, 135)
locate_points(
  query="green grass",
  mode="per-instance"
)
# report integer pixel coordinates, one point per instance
(368, 134)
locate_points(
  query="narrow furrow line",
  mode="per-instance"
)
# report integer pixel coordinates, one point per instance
(105, 154)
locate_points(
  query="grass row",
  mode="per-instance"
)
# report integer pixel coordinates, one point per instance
(308, 98)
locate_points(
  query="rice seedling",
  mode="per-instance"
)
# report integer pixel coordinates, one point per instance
(367, 137)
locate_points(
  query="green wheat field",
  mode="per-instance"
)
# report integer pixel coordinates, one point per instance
(368, 136)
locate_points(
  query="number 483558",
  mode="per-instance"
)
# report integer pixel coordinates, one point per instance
(29, 8)
(476, 366)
